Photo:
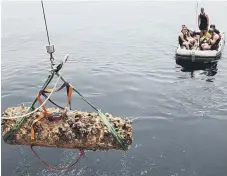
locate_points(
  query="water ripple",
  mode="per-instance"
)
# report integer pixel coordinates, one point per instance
(122, 60)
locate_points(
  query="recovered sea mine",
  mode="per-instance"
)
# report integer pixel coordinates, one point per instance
(76, 130)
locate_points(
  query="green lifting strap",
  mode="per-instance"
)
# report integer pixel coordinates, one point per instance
(111, 129)
(21, 120)
(103, 117)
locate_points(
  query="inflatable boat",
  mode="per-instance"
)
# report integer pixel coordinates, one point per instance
(201, 56)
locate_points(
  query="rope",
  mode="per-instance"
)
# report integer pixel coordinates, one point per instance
(103, 117)
(25, 115)
(196, 22)
(48, 38)
(20, 120)
(196, 14)
(60, 88)
(136, 118)
(50, 77)
(45, 23)
(57, 168)
(53, 102)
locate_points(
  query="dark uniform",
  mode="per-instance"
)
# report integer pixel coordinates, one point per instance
(203, 22)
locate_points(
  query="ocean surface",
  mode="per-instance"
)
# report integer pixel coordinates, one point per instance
(122, 59)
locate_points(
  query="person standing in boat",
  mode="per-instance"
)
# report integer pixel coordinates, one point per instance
(203, 20)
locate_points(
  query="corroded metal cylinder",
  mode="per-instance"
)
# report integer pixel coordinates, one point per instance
(77, 130)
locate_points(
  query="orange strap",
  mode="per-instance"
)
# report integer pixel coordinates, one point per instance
(41, 102)
(68, 99)
(69, 94)
(48, 90)
(45, 110)
(36, 120)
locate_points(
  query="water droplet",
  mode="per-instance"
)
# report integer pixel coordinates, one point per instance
(143, 172)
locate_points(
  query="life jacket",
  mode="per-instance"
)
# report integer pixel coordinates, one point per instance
(204, 37)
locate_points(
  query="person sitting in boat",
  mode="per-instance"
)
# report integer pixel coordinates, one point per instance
(183, 27)
(215, 30)
(196, 35)
(182, 38)
(189, 34)
(204, 37)
(190, 37)
(213, 42)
